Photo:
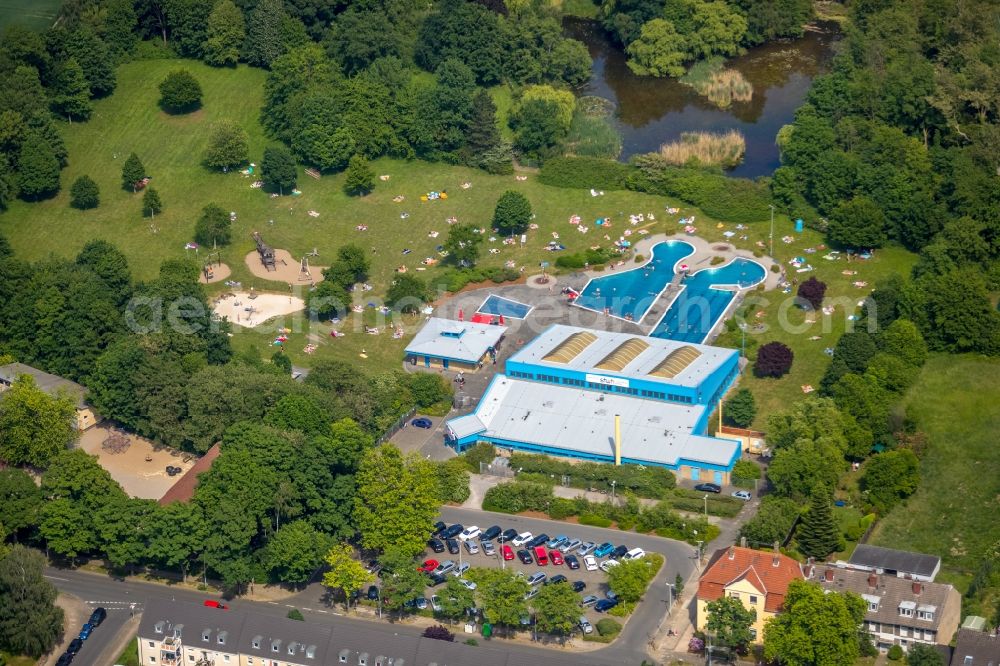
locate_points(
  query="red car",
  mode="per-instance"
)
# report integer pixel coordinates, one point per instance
(428, 566)
(212, 603)
(508, 552)
(555, 557)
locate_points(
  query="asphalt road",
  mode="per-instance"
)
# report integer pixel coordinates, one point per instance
(629, 649)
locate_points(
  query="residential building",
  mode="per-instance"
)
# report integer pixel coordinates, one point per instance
(976, 648)
(183, 634)
(899, 611)
(759, 579)
(902, 563)
(454, 345)
(86, 415)
(609, 397)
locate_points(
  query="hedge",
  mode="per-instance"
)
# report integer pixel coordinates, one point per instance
(585, 173)
(594, 521)
(457, 278)
(517, 497)
(648, 482)
(608, 627)
(483, 452)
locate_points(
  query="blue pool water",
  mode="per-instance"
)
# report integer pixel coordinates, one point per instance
(629, 294)
(698, 307)
(497, 305)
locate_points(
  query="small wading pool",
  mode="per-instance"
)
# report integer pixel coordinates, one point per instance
(504, 307)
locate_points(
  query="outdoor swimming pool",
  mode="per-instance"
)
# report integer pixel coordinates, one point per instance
(629, 293)
(698, 307)
(498, 305)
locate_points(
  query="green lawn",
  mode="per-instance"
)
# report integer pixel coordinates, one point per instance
(952, 514)
(34, 14)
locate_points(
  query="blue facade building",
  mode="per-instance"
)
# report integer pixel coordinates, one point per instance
(599, 395)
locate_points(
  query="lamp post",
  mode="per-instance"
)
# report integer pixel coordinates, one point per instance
(612, 491)
(771, 206)
(706, 505)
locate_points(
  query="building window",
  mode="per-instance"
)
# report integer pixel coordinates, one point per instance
(753, 634)
(151, 644)
(225, 657)
(734, 595)
(152, 659)
(905, 612)
(753, 600)
(872, 606)
(968, 660)
(904, 631)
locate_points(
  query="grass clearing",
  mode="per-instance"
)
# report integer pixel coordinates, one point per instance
(954, 403)
(34, 14)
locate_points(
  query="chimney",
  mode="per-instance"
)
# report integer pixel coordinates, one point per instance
(732, 552)
(828, 575)
(743, 542)
(872, 580)
(618, 440)
(917, 587)
(776, 546)
(775, 561)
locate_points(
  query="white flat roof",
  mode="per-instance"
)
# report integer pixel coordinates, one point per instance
(574, 419)
(708, 360)
(459, 340)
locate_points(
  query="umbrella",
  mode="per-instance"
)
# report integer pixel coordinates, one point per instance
(461, 315)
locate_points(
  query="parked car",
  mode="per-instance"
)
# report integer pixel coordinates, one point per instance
(438, 579)
(521, 539)
(608, 565)
(74, 646)
(436, 545)
(604, 549)
(708, 488)
(436, 603)
(556, 558)
(65, 659)
(372, 593)
(428, 566)
(470, 532)
(618, 552)
(85, 631)
(452, 545)
(585, 625)
(445, 567)
(579, 586)
(422, 422)
(572, 562)
(585, 548)
(558, 541)
(97, 617)
(590, 600)
(743, 495)
(452, 531)
(468, 584)
(472, 547)
(525, 556)
(604, 605)
(568, 546)
(633, 554)
(490, 533)
(532, 593)
(489, 549)
(421, 603)
(536, 578)
(541, 557)
(556, 579)
(461, 569)
(539, 540)
(508, 535)
(439, 527)
(611, 595)
(590, 562)
(508, 552)
(212, 603)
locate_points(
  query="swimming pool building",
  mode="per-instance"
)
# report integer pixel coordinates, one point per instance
(611, 397)
(454, 345)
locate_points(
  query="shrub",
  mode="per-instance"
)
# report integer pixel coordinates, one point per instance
(744, 469)
(180, 92)
(483, 452)
(639, 258)
(594, 521)
(439, 633)
(585, 173)
(774, 359)
(812, 292)
(428, 389)
(775, 268)
(471, 641)
(84, 193)
(295, 614)
(623, 609)
(715, 261)
(895, 653)
(517, 497)
(608, 627)
(562, 508)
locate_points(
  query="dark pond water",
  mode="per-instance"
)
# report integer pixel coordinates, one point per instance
(652, 111)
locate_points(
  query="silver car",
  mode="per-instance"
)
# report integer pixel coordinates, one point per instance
(472, 547)
(589, 600)
(444, 567)
(585, 548)
(536, 578)
(569, 545)
(489, 549)
(461, 569)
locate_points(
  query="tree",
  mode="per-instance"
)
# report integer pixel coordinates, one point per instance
(537, 127)
(557, 609)
(745, 470)
(84, 46)
(819, 535)
(278, 169)
(890, 477)
(264, 39)
(902, 339)
(812, 292)
(429, 389)
(280, 360)
(328, 299)
(729, 622)
(228, 146)
(629, 579)
(224, 35)
(84, 193)
(401, 582)
(70, 94)
(60, 527)
(407, 293)
(463, 244)
(132, 172)
(120, 24)
(501, 595)
(483, 134)
(658, 51)
(294, 552)
(512, 214)
(774, 359)
(30, 622)
(456, 599)
(453, 480)
(921, 654)
(396, 500)
(772, 522)
(815, 628)
(345, 573)
(34, 426)
(213, 227)
(38, 173)
(151, 202)
(678, 586)
(20, 501)
(740, 409)
(857, 224)
(180, 92)
(359, 179)
(122, 528)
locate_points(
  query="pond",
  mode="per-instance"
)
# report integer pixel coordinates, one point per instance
(651, 111)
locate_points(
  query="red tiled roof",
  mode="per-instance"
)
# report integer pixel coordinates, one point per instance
(768, 572)
(183, 490)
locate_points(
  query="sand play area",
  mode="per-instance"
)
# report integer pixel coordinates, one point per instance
(214, 273)
(287, 268)
(242, 310)
(140, 467)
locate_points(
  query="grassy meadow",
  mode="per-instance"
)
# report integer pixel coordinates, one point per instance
(952, 514)
(34, 14)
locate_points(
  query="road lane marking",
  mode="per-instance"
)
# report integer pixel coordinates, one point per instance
(67, 580)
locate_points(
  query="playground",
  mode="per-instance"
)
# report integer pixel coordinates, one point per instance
(286, 268)
(136, 463)
(250, 309)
